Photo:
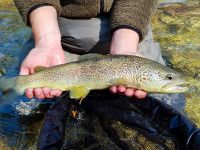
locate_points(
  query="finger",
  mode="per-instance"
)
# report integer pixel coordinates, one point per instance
(113, 89)
(32, 70)
(46, 92)
(59, 60)
(29, 93)
(38, 93)
(140, 94)
(55, 92)
(121, 88)
(129, 92)
(140, 55)
(24, 71)
(58, 93)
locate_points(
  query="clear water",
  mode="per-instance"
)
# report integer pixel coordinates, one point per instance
(16, 130)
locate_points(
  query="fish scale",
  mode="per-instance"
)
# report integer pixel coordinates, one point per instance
(95, 72)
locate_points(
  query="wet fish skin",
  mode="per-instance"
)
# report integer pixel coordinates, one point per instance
(99, 72)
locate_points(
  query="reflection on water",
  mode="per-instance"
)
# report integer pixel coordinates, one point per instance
(21, 131)
(13, 34)
(16, 131)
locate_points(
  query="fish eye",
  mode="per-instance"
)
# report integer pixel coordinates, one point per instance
(169, 77)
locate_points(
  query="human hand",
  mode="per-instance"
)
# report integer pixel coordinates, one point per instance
(47, 52)
(42, 56)
(125, 42)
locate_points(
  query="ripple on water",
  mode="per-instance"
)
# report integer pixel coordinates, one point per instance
(13, 34)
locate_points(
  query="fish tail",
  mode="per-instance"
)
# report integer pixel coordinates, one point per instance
(7, 85)
(8, 90)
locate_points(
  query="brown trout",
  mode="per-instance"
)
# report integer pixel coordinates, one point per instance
(96, 72)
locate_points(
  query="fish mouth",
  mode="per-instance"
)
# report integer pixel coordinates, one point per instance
(178, 88)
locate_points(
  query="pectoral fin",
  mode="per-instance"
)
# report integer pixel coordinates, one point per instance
(78, 93)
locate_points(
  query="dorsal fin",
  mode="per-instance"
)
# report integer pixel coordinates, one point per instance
(39, 68)
(88, 56)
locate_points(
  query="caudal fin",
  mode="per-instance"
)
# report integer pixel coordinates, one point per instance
(8, 90)
(7, 85)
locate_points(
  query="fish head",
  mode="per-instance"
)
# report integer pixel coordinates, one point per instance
(164, 80)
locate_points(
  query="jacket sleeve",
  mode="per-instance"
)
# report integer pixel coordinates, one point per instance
(132, 14)
(25, 7)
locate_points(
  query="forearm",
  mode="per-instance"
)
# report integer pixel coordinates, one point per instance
(124, 41)
(45, 27)
(26, 6)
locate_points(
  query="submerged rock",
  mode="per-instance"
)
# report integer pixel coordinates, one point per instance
(177, 1)
(28, 108)
(15, 132)
(176, 27)
(5, 62)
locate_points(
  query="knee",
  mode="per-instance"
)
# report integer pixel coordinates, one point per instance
(84, 35)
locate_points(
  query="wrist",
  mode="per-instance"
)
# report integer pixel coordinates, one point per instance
(49, 44)
(124, 41)
(48, 40)
(45, 28)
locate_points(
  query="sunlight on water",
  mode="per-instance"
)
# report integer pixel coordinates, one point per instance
(16, 131)
(176, 28)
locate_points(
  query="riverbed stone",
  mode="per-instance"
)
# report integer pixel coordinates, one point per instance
(176, 28)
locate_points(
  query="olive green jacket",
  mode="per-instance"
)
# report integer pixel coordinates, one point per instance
(132, 14)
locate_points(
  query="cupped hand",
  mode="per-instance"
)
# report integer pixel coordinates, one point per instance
(125, 42)
(42, 56)
(140, 94)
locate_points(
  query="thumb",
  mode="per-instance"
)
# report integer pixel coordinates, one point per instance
(59, 59)
(135, 54)
(24, 71)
